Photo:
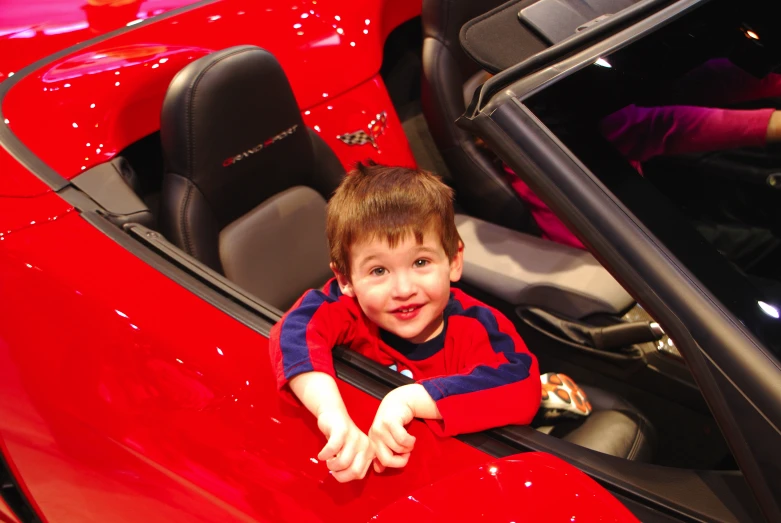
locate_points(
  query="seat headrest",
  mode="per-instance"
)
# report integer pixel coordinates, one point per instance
(231, 125)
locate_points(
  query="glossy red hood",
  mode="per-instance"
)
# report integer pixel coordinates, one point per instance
(34, 29)
(527, 487)
(82, 108)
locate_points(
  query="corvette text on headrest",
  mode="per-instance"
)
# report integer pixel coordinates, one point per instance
(284, 134)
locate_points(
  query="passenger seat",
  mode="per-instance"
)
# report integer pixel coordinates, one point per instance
(246, 182)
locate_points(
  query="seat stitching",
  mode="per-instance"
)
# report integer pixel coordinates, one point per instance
(190, 102)
(636, 444)
(184, 224)
(191, 93)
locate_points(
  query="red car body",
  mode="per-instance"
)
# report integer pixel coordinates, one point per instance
(126, 396)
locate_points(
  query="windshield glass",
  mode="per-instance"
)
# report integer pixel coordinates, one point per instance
(684, 127)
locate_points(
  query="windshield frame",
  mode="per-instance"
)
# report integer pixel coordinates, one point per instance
(737, 374)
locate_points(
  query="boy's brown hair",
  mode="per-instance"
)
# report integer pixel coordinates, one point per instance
(376, 201)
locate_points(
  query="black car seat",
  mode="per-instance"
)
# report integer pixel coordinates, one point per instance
(245, 180)
(447, 74)
(614, 427)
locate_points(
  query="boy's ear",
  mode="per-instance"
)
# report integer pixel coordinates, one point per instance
(343, 281)
(457, 264)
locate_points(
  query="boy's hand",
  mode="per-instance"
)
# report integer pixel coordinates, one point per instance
(348, 452)
(392, 443)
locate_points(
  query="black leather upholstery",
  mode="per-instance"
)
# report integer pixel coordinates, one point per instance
(614, 427)
(292, 223)
(232, 137)
(446, 68)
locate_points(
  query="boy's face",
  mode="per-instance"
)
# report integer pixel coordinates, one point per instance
(404, 289)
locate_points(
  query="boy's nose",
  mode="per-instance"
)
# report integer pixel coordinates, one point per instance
(404, 286)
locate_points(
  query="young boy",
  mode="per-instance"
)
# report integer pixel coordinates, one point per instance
(394, 251)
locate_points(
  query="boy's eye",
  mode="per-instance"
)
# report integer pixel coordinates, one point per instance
(421, 263)
(377, 271)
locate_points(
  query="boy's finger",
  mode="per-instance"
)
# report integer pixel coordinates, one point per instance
(334, 445)
(383, 453)
(343, 476)
(387, 439)
(358, 467)
(361, 464)
(344, 459)
(388, 459)
(402, 438)
(396, 461)
(378, 467)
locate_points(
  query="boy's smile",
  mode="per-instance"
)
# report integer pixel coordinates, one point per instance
(403, 289)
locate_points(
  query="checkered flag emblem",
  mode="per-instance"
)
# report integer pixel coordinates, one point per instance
(357, 138)
(361, 137)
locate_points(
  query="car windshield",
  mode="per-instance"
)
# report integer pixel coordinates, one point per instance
(683, 127)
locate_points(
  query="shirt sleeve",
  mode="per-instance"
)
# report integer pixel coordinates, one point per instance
(497, 381)
(641, 133)
(303, 340)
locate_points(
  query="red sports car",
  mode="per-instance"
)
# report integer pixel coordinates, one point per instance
(177, 157)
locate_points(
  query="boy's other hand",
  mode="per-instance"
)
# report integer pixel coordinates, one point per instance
(392, 443)
(348, 452)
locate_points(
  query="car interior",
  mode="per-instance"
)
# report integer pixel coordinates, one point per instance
(574, 316)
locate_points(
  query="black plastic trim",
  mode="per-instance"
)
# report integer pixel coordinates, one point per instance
(524, 143)
(15, 147)
(156, 240)
(665, 14)
(559, 49)
(14, 497)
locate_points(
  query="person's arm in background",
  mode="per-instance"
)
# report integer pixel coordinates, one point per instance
(641, 133)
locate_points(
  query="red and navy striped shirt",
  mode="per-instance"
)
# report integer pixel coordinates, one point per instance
(478, 370)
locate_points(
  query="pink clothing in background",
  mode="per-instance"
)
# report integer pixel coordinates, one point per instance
(550, 226)
(640, 133)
